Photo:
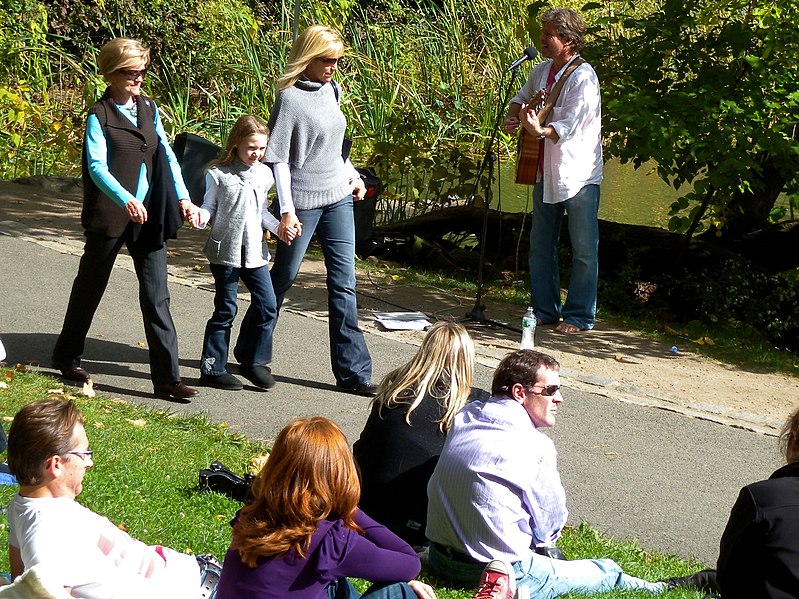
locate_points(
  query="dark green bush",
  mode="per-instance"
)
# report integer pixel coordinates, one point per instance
(737, 292)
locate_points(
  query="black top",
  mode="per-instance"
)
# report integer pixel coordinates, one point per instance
(396, 461)
(759, 552)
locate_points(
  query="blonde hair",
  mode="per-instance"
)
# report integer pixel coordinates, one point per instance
(443, 368)
(122, 53)
(316, 41)
(245, 126)
(310, 476)
(789, 438)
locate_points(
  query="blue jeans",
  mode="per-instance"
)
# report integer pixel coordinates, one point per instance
(547, 577)
(580, 307)
(343, 589)
(254, 345)
(335, 230)
(544, 576)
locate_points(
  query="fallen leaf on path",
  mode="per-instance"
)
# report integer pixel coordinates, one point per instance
(704, 340)
(257, 463)
(21, 368)
(618, 358)
(55, 391)
(139, 422)
(88, 389)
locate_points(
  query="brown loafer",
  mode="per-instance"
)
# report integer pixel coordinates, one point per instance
(73, 373)
(177, 390)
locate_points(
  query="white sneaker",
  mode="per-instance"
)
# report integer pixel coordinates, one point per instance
(497, 581)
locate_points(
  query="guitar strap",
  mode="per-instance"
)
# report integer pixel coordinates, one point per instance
(553, 95)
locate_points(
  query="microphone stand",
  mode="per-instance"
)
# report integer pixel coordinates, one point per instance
(477, 313)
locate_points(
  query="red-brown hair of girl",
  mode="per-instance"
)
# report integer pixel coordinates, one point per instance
(310, 476)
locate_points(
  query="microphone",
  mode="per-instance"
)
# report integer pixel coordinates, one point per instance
(529, 54)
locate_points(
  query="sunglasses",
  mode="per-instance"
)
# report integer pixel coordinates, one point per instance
(547, 391)
(329, 62)
(134, 73)
(83, 454)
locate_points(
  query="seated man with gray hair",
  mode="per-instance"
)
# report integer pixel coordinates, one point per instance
(49, 453)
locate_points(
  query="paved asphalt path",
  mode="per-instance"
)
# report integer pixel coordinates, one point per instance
(629, 470)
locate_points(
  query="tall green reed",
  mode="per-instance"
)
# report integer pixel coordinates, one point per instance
(421, 90)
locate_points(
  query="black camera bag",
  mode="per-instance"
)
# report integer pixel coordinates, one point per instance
(218, 478)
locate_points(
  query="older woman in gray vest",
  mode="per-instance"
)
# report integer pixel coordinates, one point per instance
(134, 195)
(316, 188)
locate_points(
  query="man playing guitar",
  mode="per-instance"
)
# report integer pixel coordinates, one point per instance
(568, 170)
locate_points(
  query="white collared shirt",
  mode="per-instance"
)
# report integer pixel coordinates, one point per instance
(575, 160)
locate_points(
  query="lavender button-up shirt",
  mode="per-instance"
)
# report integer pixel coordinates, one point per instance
(496, 491)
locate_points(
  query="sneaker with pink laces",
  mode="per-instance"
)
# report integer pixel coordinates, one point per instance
(497, 582)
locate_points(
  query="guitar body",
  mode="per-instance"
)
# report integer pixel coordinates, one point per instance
(527, 158)
(529, 146)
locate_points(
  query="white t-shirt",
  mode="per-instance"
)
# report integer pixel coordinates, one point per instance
(85, 551)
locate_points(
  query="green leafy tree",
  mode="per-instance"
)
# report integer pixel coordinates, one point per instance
(708, 90)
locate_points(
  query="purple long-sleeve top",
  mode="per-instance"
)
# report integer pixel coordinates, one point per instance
(335, 552)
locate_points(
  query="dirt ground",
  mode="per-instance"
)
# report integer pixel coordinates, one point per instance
(609, 360)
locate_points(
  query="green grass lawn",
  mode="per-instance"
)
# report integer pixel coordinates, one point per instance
(145, 480)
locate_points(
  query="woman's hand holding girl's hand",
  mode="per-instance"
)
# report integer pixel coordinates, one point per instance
(358, 189)
(190, 213)
(289, 228)
(136, 211)
(422, 590)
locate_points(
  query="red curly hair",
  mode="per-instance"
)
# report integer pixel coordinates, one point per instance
(309, 476)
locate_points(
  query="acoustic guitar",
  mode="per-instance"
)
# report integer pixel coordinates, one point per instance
(529, 147)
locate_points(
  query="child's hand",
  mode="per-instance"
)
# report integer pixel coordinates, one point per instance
(291, 234)
(200, 218)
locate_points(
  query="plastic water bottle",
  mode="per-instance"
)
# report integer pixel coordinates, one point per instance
(528, 329)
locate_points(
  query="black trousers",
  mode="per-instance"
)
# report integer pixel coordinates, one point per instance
(99, 255)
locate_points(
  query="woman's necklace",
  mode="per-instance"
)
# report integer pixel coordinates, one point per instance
(134, 108)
